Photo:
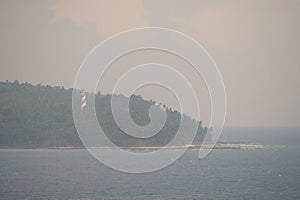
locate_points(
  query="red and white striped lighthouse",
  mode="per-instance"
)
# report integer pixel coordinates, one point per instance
(83, 100)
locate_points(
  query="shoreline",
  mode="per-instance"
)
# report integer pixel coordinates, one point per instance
(242, 146)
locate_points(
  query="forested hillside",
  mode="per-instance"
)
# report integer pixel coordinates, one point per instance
(41, 116)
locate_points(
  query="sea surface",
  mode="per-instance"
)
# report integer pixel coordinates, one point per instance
(271, 173)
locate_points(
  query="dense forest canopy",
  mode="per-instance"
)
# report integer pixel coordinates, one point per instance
(41, 116)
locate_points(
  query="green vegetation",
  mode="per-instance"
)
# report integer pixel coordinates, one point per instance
(41, 116)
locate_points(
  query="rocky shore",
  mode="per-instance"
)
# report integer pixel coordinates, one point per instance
(244, 146)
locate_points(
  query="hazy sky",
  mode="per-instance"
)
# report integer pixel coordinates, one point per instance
(255, 44)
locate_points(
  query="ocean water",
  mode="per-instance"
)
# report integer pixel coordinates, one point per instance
(272, 173)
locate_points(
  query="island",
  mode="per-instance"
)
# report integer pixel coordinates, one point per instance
(40, 116)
